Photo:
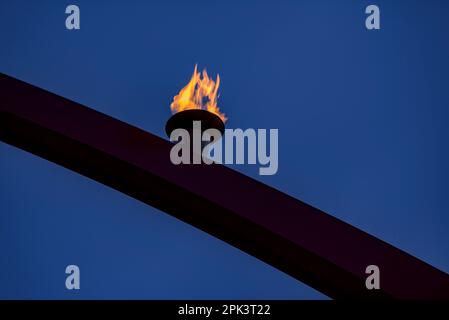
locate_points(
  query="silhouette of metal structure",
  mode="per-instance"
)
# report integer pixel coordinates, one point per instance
(306, 243)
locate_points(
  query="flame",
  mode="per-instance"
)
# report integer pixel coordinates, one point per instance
(199, 93)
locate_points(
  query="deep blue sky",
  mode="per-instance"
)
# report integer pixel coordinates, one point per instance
(362, 118)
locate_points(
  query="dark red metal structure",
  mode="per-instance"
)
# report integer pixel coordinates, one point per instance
(308, 244)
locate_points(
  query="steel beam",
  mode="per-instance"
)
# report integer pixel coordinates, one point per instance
(298, 239)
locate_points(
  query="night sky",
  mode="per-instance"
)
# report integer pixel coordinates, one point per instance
(363, 135)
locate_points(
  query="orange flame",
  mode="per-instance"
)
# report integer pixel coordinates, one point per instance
(199, 93)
